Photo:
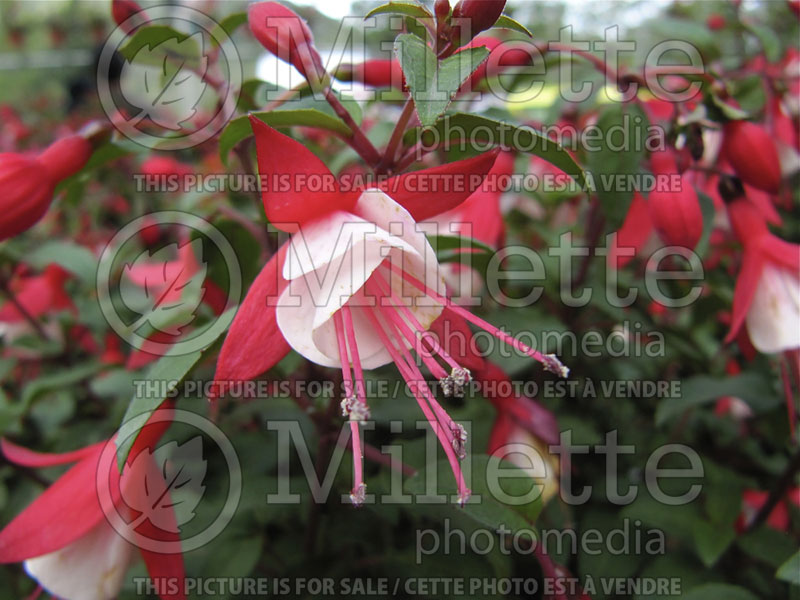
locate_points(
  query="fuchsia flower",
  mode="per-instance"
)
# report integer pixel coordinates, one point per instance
(63, 537)
(767, 294)
(28, 183)
(357, 286)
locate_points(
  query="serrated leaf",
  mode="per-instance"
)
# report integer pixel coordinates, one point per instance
(506, 22)
(239, 129)
(171, 290)
(408, 9)
(166, 485)
(482, 129)
(158, 79)
(432, 83)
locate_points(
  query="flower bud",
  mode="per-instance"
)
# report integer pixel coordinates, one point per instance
(376, 72)
(752, 154)
(470, 17)
(715, 22)
(122, 10)
(675, 211)
(28, 183)
(286, 35)
(441, 9)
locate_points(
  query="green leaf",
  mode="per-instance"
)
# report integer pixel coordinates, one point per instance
(506, 22)
(74, 258)
(232, 22)
(711, 541)
(166, 39)
(477, 129)
(408, 9)
(434, 84)
(719, 591)
(62, 379)
(767, 38)
(169, 371)
(704, 389)
(790, 570)
(239, 129)
(618, 152)
(709, 212)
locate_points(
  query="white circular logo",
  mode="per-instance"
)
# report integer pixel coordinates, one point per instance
(177, 82)
(160, 487)
(151, 298)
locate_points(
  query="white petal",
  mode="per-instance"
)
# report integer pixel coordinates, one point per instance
(91, 568)
(773, 320)
(330, 261)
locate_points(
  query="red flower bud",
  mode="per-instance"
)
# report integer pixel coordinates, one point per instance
(122, 10)
(752, 154)
(286, 35)
(441, 8)
(794, 6)
(376, 72)
(28, 183)
(475, 16)
(674, 207)
(715, 22)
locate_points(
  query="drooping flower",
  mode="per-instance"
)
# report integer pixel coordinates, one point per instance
(64, 538)
(28, 182)
(767, 294)
(357, 286)
(752, 154)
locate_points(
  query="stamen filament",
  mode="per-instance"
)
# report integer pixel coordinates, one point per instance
(429, 414)
(549, 361)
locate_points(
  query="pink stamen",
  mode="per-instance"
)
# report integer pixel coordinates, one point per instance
(429, 415)
(432, 344)
(359, 488)
(549, 361)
